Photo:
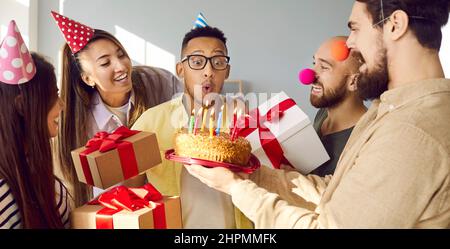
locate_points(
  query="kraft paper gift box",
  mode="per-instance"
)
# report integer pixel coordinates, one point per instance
(293, 130)
(133, 155)
(99, 217)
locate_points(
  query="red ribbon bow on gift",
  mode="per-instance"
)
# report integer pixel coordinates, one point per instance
(104, 141)
(269, 143)
(131, 199)
(123, 198)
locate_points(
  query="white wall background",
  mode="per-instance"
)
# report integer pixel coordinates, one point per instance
(24, 12)
(269, 40)
(444, 53)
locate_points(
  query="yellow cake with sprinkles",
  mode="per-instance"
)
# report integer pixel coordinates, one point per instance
(219, 148)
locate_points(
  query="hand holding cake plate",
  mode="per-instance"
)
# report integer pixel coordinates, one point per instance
(253, 163)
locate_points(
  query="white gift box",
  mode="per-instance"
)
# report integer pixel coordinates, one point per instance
(298, 139)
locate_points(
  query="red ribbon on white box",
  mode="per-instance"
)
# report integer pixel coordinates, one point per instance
(269, 142)
(123, 198)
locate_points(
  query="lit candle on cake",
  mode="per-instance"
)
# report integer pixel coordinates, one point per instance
(197, 118)
(205, 111)
(219, 121)
(191, 122)
(211, 124)
(235, 128)
(233, 124)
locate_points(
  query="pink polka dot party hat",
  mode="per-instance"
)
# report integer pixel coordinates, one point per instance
(16, 65)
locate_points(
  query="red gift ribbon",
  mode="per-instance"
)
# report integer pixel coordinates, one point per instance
(131, 199)
(269, 143)
(104, 141)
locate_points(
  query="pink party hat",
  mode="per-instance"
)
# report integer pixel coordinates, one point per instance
(16, 65)
(77, 35)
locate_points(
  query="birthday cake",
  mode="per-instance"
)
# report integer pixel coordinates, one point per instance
(219, 148)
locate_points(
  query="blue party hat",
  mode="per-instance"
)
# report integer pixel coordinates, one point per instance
(200, 22)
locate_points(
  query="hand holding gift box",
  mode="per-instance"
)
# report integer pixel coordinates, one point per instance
(108, 159)
(122, 207)
(281, 133)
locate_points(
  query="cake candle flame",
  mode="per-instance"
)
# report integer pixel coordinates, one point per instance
(219, 121)
(211, 124)
(191, 123)
(205, 111)
(233, 124)
(197, 118)
(235, 128)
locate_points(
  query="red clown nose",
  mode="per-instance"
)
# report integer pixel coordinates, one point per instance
(307, 76)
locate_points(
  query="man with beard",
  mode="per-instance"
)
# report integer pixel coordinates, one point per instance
(334, 92)
(394, 171)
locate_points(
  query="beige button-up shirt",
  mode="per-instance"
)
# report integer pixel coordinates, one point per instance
(393, 172)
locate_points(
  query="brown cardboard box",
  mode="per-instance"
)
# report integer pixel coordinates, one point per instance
(106, 168)
(84, 217)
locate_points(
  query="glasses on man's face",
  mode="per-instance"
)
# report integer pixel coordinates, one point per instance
(198, 62)
(384, 19)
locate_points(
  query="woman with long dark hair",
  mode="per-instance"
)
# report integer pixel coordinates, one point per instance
(30, 194)
(102, 91)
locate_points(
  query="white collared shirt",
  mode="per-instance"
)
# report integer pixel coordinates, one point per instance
(103, 119)
(121, 112)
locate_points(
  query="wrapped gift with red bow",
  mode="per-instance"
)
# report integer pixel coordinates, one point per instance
(129, 208)
(281, 133)
(108, 159)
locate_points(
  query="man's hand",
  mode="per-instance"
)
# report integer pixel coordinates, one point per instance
(219, 178)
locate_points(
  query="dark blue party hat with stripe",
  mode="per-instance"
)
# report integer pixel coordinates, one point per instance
(200, 22)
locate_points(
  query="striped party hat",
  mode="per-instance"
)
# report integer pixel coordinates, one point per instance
(16, 64)
(200, 22)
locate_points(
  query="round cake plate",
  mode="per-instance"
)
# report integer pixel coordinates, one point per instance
(253, 163)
